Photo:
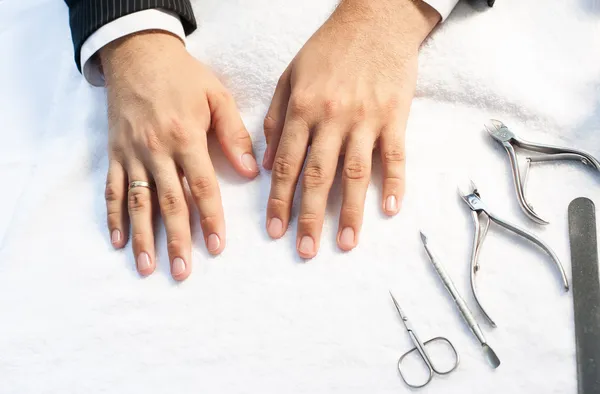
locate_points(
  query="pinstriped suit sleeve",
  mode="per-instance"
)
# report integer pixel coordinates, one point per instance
(87, 16)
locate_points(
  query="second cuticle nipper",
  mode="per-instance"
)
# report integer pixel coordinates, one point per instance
(471, 197)
(509, 141)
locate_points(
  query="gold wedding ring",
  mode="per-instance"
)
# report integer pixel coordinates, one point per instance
(145, 184)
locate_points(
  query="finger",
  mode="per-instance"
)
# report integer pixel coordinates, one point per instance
(275, 119)
(116, 208)
(394, 167)
(232, 134)
(140, 215)
(200, 175)
(176, 216)
(319, 173)
(355, 181)
(286, 169)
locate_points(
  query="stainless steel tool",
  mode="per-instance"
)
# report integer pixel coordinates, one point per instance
(499, 132)
(479, 211)
(468, 317)
(420, 347)
(586, 293)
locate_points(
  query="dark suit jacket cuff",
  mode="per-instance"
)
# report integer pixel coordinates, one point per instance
(87, 16)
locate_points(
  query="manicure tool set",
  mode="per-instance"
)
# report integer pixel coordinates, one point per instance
(584, 257)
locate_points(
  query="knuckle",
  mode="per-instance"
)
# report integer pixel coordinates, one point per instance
(151, 141)
(394, 156)
(282, 168)
(223, 97)
(301, 105)
(174, 244)
(269, 125)
(356, 169)
(314, 176)
(112, 193)
(219, 101)
(392, 102)
(201, 187)
(390, 106)
(139, 200)
(177, 131)
(241, 137)
(116, 148)
(171, 203)
(394, 183)
(360, 112)
(138, 241)
(331, 108)
(113, 219)
(209, 222)
(276, 204)
(308, 219)
(350, 212)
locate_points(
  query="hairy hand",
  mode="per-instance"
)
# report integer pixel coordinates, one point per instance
(161, 104)
(349, 89)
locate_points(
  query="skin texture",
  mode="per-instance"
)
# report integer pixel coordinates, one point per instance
(161, 105)
(348, 90)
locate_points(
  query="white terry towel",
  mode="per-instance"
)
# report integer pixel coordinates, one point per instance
(76, 318)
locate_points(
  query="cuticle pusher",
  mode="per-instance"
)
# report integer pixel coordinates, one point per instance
(466, 313)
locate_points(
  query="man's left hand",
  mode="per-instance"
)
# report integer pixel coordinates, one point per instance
(348, 90)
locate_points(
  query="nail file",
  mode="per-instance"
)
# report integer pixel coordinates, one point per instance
(586, 293)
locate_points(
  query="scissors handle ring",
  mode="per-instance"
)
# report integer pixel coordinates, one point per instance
(427, 361)
(455, 354)
(411, 385)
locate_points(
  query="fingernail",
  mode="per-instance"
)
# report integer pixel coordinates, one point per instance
(143, 261)
(347, 238)
(275, 228)
(249, 162)
(391, 204)
(178, 266)
(115, 237)
(213, 242)
(307, 246)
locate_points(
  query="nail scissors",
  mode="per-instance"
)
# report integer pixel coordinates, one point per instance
(421, 348)
(479, 211)
(499, 132)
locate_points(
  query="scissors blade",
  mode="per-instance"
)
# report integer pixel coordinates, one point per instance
(401, 313)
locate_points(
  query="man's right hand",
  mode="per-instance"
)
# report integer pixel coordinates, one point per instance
(161, 104)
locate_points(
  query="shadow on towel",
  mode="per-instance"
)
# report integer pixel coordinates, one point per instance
(592, 6)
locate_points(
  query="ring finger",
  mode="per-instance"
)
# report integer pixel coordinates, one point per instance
(139, 204)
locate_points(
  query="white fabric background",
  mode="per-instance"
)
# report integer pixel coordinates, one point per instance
(76, 318)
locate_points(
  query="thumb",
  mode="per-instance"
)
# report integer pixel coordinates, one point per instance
(231, 133)
(275, 118)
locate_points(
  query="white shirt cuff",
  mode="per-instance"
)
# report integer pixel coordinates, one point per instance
(444, 7)
(152, 19)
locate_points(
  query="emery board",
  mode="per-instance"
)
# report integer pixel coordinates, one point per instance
(586, 293)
